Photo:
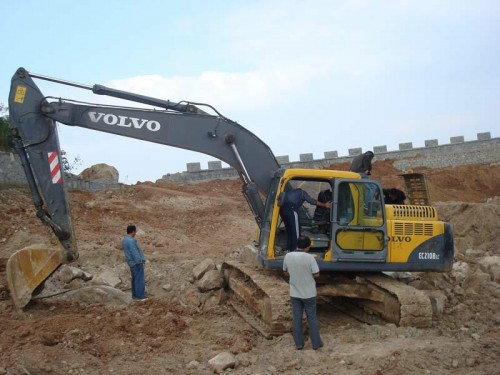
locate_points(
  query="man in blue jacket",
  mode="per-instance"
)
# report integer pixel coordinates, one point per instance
(294, 198)
(135, 260)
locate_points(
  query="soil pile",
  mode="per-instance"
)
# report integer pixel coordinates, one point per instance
(178, 330)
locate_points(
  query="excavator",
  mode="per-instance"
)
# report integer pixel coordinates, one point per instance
(357, 245)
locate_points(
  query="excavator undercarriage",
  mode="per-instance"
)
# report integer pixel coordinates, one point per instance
(261, 297)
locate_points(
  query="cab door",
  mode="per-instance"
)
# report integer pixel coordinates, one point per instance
(358, 224)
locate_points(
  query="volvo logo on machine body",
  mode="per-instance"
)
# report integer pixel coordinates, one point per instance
(400, 238)
(125, 121)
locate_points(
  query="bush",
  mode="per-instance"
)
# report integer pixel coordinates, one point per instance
(5, 132)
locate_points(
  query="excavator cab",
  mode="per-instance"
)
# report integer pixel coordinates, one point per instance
(313, 221)
(355, 227)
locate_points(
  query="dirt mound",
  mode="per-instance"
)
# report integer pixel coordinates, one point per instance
(475, 225)
(466, 183)
(178, 330)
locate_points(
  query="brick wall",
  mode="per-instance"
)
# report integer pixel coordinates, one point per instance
(484, 150)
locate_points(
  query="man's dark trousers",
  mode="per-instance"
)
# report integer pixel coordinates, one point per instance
(290, 218)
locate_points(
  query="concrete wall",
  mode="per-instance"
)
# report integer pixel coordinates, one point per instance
(76, 183)
(12, 174)
(484, 150)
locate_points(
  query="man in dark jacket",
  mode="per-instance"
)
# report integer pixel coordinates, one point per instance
(294, 198)
(362, 164)
(394, 196)
(322, 214)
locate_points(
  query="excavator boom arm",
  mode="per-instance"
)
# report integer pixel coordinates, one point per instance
(184, 125)
(33, 118)
(212, 135)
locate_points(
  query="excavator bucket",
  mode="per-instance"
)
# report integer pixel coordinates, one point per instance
(28, 268)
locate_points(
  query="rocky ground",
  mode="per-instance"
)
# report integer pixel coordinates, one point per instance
(180, 330)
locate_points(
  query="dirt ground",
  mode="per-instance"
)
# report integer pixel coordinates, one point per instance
(178, 329)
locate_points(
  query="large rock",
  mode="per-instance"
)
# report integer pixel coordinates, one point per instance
(222, 361)
(248, 255)
(203, 267)
(491, 265)
(68, 273)
(438, 301)
(108, 277)
(102, 172)
(460, 271)
(211, 280)
(98, 294)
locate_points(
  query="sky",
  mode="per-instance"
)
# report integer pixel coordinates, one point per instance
(304, 76)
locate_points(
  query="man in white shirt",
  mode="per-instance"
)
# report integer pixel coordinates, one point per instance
(303, 270)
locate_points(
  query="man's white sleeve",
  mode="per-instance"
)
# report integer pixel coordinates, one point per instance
(314, 265)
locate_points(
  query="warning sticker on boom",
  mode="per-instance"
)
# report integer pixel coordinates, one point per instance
(20, 94)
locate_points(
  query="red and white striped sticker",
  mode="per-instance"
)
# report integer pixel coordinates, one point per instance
(55, 168)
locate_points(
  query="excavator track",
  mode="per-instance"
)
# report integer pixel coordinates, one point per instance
(414, 308)
(260, 296)
(382, 296)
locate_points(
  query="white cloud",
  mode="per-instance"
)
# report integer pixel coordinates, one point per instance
(227, 91)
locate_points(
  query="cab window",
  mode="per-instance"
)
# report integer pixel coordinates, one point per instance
(359, 204)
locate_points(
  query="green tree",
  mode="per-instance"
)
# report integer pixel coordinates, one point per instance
(5, 133)
(67, 165)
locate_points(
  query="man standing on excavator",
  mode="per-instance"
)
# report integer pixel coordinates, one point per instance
(293, 200)
(135, 260)
(362, 164)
